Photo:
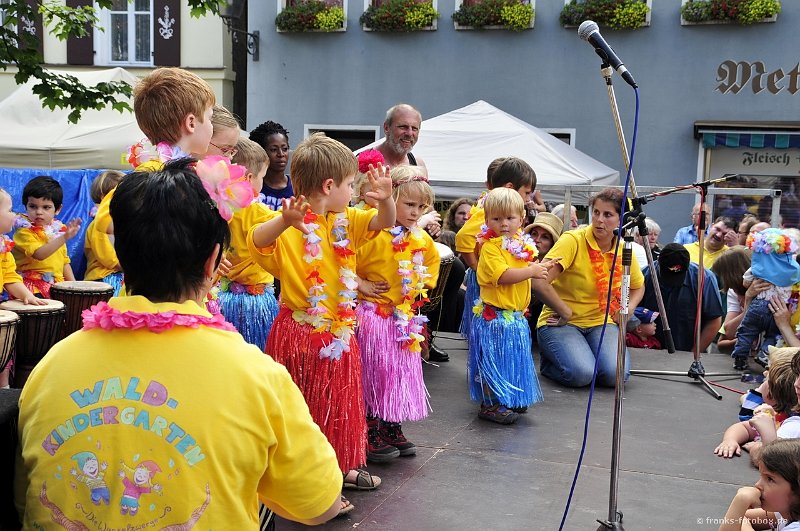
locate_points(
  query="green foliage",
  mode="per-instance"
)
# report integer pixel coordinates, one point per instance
(309, 15)
(616, 14)
(513, 14)
(739, 11)
(399, 15)
(63, 91)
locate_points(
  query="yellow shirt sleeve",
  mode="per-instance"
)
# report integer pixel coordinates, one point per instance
(493, 262)
(244, 268)
(102, 220)
(8, 268)
(101, 258)
(465, 237)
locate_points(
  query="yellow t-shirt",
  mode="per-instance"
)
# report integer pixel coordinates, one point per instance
(8, 270)
(27, 242)
(577, 283)
(709, 257)
(101, 258)
(216, 421)
(376, 261)
(284, 258)
(465, 237)
(102, 219)
(494, 261)
(244, 270)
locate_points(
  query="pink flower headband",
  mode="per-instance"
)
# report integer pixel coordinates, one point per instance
(421, 178)
(370, 156)
(225, 184)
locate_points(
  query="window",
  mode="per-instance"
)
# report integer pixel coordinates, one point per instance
(128, 35)
(566, 135)
(353, 136)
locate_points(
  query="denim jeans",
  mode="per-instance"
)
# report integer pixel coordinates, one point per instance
(568, 354)
(758, 318)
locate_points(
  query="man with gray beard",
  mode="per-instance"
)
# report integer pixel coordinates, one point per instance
(401, 129)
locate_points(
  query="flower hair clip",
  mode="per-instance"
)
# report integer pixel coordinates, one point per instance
(225, 184)
(370, 156)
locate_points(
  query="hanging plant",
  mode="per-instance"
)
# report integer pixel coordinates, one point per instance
(310, 15)
(736, 11)
(515, 15)
(399, 15)
(616, 14)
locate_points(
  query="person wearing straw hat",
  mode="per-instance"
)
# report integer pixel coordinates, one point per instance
(545, 231)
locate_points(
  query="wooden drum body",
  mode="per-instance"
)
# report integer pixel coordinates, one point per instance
(78, 296)
(446, 258)
(8, 336)
(39, 328)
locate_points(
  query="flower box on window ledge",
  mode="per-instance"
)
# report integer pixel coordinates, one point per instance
(311, 15)
(516, 15)
(399, 15)
(729, 11)
(614, 14)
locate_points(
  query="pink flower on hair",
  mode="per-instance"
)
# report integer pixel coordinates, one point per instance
(370, 156)
(225, 184)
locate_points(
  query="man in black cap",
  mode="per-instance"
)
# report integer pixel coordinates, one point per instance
(678, 279)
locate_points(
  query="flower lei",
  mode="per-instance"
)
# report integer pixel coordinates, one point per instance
(6, 245)
(771, 241)
(409, 251)
(52, 230)
(225, 184)
(601, 272)
(144, 150)
(332, 333)
(101, 315)
(520, 245)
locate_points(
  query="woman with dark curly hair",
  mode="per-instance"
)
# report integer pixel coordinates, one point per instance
(277, 183)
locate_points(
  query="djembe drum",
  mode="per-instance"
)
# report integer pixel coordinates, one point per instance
(446, 258)
(39, 328)
(79, 295)
(8, 336)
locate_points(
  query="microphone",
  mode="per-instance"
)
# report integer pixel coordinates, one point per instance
(590, 32)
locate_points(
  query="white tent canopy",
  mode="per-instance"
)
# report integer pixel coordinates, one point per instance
(458, 146)
(35, 137)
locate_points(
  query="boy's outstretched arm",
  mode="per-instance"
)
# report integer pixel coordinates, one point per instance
(294, 210)
(381, 193)
(44, 252)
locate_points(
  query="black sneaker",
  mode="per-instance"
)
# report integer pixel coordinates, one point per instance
(377, 449)
(740, 364)
(762, 359)
(437, 354)
(392, 434)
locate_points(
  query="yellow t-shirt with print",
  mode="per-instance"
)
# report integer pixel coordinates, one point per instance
(495, 261)
(577, 283)
(466, 236)
(101, 258)
(284, 258)
(709, 257)
(376, 261)
(217, 423)
(244, 269)
(27, 241)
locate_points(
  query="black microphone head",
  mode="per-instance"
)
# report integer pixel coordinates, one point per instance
(586, 28)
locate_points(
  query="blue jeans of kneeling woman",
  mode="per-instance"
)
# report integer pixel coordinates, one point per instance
(568, 354)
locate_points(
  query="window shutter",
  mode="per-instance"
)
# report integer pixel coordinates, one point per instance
(80, 51)
(167, 33)
(34, 27)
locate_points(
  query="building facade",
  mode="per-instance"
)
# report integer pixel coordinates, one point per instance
(714, 98)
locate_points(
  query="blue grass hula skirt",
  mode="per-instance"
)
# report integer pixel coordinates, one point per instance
(115, 280)
(251, 313)
(470, 297)
(501, 361)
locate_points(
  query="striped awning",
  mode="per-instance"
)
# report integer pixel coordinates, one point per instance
(737, 134)
(751, 140)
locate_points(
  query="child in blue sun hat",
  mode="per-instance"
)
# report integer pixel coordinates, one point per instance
(773, 260)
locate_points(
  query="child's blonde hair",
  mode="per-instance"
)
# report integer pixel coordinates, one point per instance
(250, 155)
(164, 98)
(318, 158)
(104, 183)
(503, 200)
(781, 379)
(222, 118)
(411, 181)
